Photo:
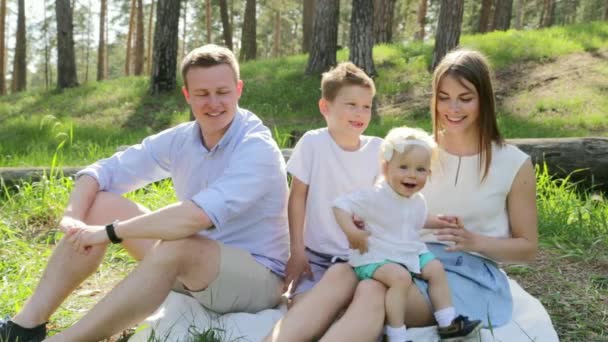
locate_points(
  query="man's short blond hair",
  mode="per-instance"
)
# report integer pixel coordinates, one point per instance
(342, 75)
(207, 56)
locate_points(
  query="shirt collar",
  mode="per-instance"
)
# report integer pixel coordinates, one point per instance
(392, 193)
(235, 125)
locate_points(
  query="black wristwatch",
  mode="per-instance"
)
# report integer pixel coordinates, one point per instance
(110, 230)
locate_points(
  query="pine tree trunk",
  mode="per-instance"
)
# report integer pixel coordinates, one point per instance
(383, 21)
(66, 61)
(101, 48)
(249, 47)
(448, 29)
(2, 48)
(165, 46)
(421, 20)
(277, 34)
(606, 10)
(308, 14)
(361, 35)
(324, 36)
(150, 25)
(88, 49)
(519, 9)
(130, 39)
(546, 18)
(139, 40)
(184, 27)
(502, 15)
(484, 16)
(19, 65)
(45, 32)
(208, 20)
(226, 27)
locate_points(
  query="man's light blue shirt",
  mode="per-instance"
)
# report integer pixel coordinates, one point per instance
(240, 183)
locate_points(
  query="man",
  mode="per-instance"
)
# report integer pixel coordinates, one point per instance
(224, 243)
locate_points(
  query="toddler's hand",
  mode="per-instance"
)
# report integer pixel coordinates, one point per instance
(358, 240)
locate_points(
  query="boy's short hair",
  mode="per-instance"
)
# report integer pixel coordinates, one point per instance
(402, 139)
(207, 56)
(344, 74)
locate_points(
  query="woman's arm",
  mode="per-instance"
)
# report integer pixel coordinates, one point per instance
(521, 206)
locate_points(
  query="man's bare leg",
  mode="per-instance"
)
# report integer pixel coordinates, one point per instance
(364, 317)
(193, 261)
(66, 268)
(309, 318)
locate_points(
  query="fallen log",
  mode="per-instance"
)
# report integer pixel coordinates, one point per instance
(584, 159)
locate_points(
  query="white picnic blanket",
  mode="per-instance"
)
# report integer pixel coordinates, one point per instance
(180, 315)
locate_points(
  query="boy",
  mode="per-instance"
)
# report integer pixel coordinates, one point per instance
(224, 247)
(326, 163)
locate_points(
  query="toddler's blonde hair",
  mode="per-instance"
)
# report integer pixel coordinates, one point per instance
(402, 139)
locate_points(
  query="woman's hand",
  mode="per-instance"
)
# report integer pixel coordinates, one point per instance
(463, 239)
(84, 238)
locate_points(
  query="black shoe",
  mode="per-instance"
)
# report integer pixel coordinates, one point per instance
(460, 329)
(12, 332)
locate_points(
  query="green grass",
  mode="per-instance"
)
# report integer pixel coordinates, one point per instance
(104, 115)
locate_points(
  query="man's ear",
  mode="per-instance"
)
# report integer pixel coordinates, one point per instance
(239, 87)
(186, 94)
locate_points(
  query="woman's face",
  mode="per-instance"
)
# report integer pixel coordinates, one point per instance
(457, 105)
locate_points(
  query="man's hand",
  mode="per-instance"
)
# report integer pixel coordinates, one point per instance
(297, 266)
(84, 238)
(358, 240)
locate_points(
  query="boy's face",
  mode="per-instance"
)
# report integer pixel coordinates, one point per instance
(350, 112)
(407, 172)
(213, 96)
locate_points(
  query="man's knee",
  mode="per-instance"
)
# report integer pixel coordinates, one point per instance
(184, 253)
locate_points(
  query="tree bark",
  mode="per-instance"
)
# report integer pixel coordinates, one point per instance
(184, 27)
(19, 65)
(2, 47)
(546, 17)
(361, 36)
(139, 40)
(308, 14)
(448, 29)
(249, 44)
(484, 16)
(421, 20)
(150, 25)
(384, 11)
(101, 48)
(66, 61)
(519, 9)
(226, 27)
(88, 49)
(165, 46)
(502, 15)
(324, 36)
(606, 10)
(130, 39)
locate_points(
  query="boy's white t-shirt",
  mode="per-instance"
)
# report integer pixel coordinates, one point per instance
(329, 171)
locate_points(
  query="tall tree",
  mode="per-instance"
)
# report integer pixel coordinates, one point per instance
(484, 16)
(421, 20)
(101, 48)
(139, 40)
(130, 39)
(276, 49)
(150, 25)
(208, 20)
(546, 17)
(165, 46)
(361, 35)
(19, 65)
(184, 27)
(324, 36)
(248, 37)
(519, 9)
(66, 61)
(384, 11)
(502, 15)
(226, 26)
(448, 29)
(308, 15)
(606, 10)
(2, 44)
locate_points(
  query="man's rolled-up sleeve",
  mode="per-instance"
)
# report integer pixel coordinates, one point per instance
(252, 173)
(134, 167)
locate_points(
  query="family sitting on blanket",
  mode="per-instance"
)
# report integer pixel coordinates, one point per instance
(225, 243)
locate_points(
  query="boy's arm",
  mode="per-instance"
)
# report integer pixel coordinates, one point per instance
(357, 238)
(297, 265)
